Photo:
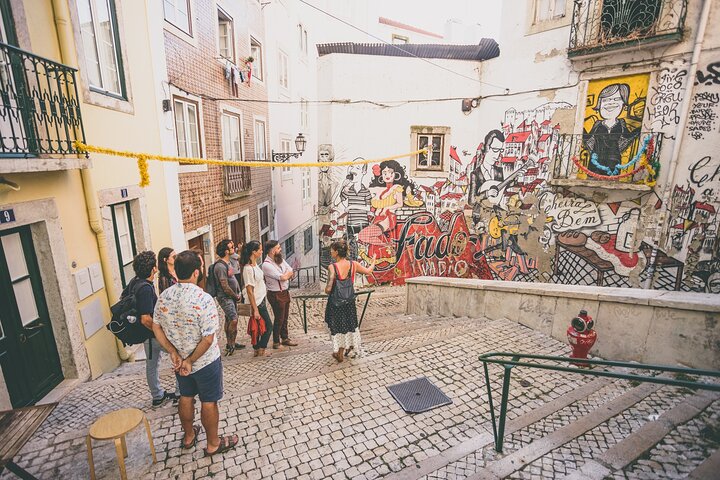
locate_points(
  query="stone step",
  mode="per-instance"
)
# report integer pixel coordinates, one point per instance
(642, 440)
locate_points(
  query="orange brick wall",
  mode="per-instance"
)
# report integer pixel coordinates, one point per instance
(198, 71)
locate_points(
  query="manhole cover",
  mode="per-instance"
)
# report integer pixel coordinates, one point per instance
(419, 395)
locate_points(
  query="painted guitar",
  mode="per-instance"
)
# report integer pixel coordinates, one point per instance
(493, 190)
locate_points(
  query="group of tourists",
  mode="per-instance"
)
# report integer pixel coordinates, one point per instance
(183, 320)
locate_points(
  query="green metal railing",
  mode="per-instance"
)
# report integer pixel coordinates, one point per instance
(39, 105)
(510, 360)
(305, 298)
(598, 25)
(298, 273)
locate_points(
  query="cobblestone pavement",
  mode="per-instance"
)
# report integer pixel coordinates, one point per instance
(299, 414)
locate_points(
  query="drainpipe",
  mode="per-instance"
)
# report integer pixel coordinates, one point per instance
(61, 14)
(679, 137)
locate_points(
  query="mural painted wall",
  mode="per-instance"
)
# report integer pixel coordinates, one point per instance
(498, 215)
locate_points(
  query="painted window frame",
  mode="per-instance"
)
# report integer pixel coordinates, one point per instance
(122, 264)
(283, 70)
(189, 31)
(285, 146)
(304, 112)
(289, 252)
(224, 17)
(116, 47)
(418, 131)
(536, 25)
(177, 95)
(308, 240)
(258, 63)
(403, 40)
(261, 157)
(306, 186)
(263, 230)
(236, 114)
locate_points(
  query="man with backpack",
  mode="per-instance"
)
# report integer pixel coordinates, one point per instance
(223, 285)
(145, 267)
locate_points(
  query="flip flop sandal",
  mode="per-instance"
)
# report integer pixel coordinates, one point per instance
(197, 429)
(226, 443)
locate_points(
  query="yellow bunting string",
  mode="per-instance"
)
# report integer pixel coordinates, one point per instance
(143, 168)
(84, 148)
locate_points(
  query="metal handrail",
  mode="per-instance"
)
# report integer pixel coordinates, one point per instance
(307, 270)
(514, 361)
(314, 296)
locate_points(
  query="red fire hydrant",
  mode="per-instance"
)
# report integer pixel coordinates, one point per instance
(581, 336)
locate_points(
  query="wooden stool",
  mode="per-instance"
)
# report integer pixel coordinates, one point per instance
(114, 426)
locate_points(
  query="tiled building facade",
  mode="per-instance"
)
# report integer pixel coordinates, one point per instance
(220, 112)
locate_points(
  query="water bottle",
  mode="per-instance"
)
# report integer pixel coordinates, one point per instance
(131, 319)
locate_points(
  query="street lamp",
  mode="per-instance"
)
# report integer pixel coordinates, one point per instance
(285, 156)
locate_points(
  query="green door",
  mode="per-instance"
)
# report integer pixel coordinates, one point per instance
(28, 354)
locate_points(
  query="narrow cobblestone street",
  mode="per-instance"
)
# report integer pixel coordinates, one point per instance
(299, 414)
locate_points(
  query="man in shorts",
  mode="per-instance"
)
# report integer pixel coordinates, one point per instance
(228, 292)
(185, 323)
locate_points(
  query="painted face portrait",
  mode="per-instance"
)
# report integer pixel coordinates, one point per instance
(611, 107)
(388, 175)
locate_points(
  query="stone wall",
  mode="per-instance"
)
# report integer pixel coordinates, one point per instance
(646, 326)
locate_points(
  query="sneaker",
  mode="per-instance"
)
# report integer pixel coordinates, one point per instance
(289, 343)
(239, 346)
(278, 346)
(229, 350)
(166, 396)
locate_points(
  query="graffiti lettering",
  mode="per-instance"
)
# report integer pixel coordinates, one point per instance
(700, 174)
(711, 77)
(703, 114)
(569, 213)
(667, 97)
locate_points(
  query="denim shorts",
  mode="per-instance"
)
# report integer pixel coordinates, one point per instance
(228, 306)
(206, 382)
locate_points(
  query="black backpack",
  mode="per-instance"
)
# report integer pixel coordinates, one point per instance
(125, 323)
(211, 282)
(343, 291)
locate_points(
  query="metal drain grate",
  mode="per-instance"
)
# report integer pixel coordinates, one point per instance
(419, 395)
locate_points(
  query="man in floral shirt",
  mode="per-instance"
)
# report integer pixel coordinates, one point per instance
(185, 323)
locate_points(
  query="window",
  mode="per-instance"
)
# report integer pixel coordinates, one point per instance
(305, 185)
(231, 142)
(435, 140)
(187, 128)
(285, 148)
(98, 27)
(546, 10)
(264, 222)
(256, 53)
(289, 246)
(303, 39)
(124, 240)
(303, 113)
(308, 234)
(260, 153)
(399, 39)
(283, 69)
(177, 13)
(432, 160)
(226, 41)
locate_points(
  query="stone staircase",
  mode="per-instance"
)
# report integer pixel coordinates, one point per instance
(603, 429)
(343, 424)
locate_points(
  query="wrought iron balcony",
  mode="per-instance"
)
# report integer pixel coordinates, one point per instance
(615, 160)
(39, 105)
(599, 25)
(236, 180)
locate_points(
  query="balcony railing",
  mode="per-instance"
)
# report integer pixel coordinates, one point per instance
(236, 180)
(607, 24)
(622, 159)
(39, 105)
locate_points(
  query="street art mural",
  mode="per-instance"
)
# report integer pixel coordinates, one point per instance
(497, 215)
(613, 120)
